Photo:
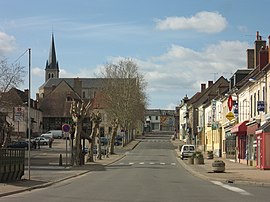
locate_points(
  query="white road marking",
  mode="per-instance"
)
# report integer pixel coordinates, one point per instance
(231, 188)
(143, 163)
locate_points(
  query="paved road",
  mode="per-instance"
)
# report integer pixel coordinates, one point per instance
(149, 173)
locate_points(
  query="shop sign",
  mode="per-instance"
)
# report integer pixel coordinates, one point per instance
(260, 106)
(230, 116)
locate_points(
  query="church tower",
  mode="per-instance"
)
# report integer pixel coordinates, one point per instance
(52, 69)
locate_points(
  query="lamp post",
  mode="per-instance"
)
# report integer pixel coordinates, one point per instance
(29, 107)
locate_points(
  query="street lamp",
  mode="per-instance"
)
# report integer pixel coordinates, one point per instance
(29, 107)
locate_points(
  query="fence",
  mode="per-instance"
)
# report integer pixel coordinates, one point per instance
(11, 164)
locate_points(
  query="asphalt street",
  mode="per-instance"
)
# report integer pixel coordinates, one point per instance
(149, 173)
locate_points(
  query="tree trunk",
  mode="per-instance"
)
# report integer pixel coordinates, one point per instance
(78, 147)
(7, 130)
(114, 133)
(90, 157)
(99, 154)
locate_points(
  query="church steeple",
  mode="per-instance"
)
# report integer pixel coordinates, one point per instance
(52, 68)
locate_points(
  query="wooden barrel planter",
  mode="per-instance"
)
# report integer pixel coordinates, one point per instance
(218, 166)
(190, 160)
(210, 155)
(198, 160)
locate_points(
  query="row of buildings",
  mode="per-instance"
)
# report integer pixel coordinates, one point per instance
(51, 108)
(231, 117)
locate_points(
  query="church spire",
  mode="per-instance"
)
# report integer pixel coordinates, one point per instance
(52, 68)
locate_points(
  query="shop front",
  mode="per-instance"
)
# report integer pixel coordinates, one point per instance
(240, 131)
(263, 148)
(230, 145)
(251, 154)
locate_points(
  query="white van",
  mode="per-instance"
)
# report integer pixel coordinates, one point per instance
(187, 150)
(55, 134)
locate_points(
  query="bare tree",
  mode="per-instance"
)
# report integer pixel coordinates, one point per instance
(79, 110)
(96, 120)
(124, 95)
(11, 76)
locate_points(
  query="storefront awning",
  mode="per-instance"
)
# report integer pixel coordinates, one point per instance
(252, 127)
(240, 128)
(263, 128)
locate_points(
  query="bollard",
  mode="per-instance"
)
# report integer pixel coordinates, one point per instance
(60, 160)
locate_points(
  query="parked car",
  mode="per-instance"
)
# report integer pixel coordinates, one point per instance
(187, 150)
(20, 144)
(104, 141)
(56, 134)
(118, 140)
(42, 140)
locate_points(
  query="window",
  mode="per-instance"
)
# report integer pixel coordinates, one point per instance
(83, 94)
(251, 104)
(254, 103)
(263, 95)
(156, 118)
(150, 117)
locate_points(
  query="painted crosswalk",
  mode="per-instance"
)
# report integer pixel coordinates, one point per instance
(146, 163)
(155, 140)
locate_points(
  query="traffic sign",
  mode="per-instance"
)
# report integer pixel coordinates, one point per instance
(230, 103)
(230, 116)
(66, 128)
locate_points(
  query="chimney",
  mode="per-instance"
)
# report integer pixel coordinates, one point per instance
(250, 58)
(210, 83)
(258, 45)
(203, 87)
(263, 58)
(26, 92)
(78, 85)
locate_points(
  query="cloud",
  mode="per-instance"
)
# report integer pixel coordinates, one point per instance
(208, 22)
(181, 70)
(7, 43)
(38, 72)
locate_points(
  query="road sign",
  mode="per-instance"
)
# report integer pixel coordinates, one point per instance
(230, 103)
(66, 128)
(230, 116)
(18, 115)
(260, 106)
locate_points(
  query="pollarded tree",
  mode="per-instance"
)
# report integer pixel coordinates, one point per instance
(96, 120)
(79, 110)
(124, 95)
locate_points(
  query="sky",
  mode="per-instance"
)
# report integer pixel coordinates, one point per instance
(177, 44)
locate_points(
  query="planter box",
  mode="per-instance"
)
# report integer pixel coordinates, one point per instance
(190, 160)
(198, 161)
(218, 166)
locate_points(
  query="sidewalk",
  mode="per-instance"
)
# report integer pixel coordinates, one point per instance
(234, 172)
(43, 176)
